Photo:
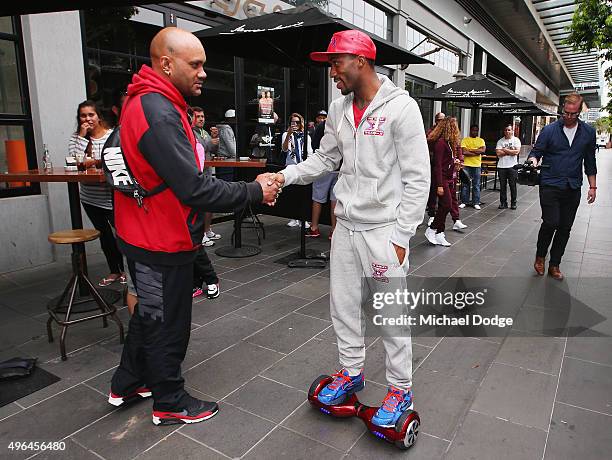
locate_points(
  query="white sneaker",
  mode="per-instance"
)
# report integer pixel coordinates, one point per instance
(477, 207)
(212, 291)
(430, 234)
(212, 235)
(429, 221)
(459, 225)
(441, 239)
(293, 223)
(462, 205)
(206, 241)
(307, 224)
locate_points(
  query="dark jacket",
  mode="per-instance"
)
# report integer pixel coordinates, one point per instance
(159, 146)
(562, 164)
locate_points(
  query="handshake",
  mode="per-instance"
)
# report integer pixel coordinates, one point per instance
(272, 186)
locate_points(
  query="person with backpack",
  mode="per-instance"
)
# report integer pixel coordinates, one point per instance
(160, 231)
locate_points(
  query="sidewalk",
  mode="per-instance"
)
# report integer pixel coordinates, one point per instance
(257, 348)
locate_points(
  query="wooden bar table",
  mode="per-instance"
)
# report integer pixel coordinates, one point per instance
(239, 250)
(72, 178)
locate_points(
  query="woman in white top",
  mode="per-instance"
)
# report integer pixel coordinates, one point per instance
(97, 199)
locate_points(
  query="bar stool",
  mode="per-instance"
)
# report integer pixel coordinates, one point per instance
(77, 238)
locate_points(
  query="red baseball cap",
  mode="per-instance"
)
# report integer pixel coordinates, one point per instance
(349, 42)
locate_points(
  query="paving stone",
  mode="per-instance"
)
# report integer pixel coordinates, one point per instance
(79, 367)
(462, 357)
(483, 436)
(586, 385)
(251, 272)
(232, 431)
(542, 354)
(596, 349)
(442, 400)
(267, 399)
(71, 451)
(578, 433)
(426, 448)
(287, 444)
(300, 368)
(288, 333)
(310, 289)
(229, 370)
(271, 308)
(55, 418)
(340, 433)
(205, 312)
(124, 433)
(318, 308)
(208, 340)
(181, 447)
(517, 395)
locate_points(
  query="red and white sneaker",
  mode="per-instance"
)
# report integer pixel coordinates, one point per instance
(195, 411)
(118, 400)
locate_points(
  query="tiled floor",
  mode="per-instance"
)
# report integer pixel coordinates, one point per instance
(257, 348)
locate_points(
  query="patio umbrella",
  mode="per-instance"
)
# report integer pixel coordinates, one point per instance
(287, 38)
(475, 90)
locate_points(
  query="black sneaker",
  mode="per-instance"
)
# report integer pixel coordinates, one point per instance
(502, 206)
(195, 411)
(513, 206)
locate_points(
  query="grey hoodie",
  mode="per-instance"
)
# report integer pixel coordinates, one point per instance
(227, 141)
(385, 173)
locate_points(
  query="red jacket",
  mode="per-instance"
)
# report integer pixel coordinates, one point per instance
(159, 146)
(443, 162)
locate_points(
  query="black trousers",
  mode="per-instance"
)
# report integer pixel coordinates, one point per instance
(103, 220)
(507, 176)
(203, 271)
(158, 334)
(559, 208)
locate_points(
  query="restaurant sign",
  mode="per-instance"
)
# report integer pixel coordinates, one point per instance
(475, 93)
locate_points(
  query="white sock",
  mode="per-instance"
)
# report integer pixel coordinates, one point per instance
(352, 372)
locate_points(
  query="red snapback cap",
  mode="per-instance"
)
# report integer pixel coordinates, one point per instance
(349, 42)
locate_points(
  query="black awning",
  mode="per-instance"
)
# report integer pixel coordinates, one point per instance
(287, 38)
(474, 90)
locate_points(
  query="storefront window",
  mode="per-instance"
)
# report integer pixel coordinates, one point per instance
(416, 86)
(444, 59)
(363, 15)
(450, 109)
(16, 140)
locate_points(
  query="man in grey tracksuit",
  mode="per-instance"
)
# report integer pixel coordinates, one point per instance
(382, 190)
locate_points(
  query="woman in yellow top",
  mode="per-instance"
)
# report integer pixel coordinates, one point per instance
(473, 148)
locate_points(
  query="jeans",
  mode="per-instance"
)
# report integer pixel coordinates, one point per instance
(559, 208)
(474, 173)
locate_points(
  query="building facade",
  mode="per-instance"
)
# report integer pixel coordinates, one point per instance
(51, 62)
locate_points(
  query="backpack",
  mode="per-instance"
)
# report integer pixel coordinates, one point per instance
(118, 174)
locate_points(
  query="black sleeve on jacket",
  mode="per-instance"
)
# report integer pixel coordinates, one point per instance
(590, 164)
(166, 147)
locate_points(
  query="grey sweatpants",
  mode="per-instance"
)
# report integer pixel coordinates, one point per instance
(368, 257)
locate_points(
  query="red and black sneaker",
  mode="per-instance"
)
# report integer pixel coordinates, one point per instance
(195, 411)
(118, 400)
(310, 233)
